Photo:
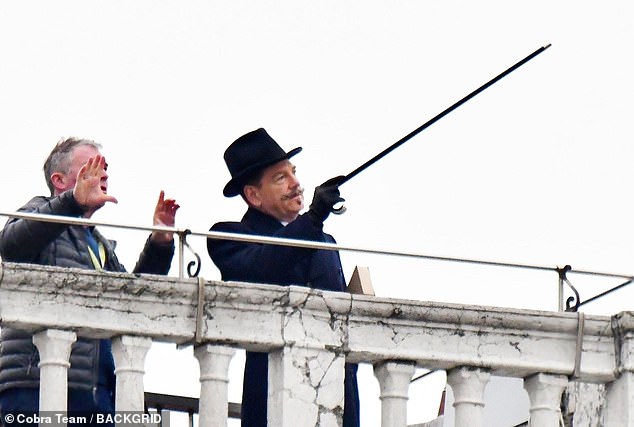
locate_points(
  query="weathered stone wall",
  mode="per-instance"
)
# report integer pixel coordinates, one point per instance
(309, 333)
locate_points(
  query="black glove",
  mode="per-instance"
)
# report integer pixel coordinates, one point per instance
(325, 198)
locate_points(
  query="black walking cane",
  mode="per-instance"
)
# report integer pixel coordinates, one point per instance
(433, 120)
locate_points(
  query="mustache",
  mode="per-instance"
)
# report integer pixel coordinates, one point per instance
(293, 194)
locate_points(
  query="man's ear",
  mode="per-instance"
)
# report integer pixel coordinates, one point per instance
(252, 195)
(59, 181)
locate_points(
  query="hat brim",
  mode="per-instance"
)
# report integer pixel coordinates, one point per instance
(234, 186)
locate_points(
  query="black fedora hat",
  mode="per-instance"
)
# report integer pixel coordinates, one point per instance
(248, 155)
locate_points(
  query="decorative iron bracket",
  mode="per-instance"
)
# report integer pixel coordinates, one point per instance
(573, 303)
(562, 271)
(182, 235)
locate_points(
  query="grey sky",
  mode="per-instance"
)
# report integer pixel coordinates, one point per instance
(537, 169)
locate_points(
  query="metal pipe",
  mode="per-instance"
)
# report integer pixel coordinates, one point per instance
(297, 243)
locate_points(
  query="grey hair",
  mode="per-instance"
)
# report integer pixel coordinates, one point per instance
(61, 157)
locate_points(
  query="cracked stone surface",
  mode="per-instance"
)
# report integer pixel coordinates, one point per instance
(305, 386)
(315, 331)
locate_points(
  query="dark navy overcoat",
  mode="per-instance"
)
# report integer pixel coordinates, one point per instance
(281, 265)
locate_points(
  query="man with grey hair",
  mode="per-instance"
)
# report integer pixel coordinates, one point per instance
(76, 174)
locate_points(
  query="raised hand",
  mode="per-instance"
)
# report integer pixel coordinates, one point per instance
(91, 185)
(164, 214)
(325, 198)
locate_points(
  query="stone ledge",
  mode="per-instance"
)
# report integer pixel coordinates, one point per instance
(507, 342)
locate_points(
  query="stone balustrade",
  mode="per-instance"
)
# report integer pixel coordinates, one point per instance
(309, 334)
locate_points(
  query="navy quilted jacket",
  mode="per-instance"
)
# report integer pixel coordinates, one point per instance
(45, 243)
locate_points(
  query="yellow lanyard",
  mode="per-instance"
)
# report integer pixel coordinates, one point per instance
(101, 261)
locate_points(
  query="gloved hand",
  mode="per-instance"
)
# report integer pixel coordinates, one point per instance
(325, 198)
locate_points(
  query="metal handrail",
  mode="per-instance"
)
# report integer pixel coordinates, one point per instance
(188, 405)
(182, 233)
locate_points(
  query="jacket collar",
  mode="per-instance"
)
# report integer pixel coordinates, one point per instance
(265, 224)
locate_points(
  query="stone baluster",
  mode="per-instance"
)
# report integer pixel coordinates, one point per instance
(214, 363)
(54, 347)
(305, 388)
(394, 379)
(468, 386)
(129, 359)
(544, 392)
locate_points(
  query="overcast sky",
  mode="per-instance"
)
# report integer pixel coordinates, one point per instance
(537, 169)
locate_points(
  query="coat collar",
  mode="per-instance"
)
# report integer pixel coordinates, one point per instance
(263, 223)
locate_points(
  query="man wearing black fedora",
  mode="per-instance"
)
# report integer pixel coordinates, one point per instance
(263, 175)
